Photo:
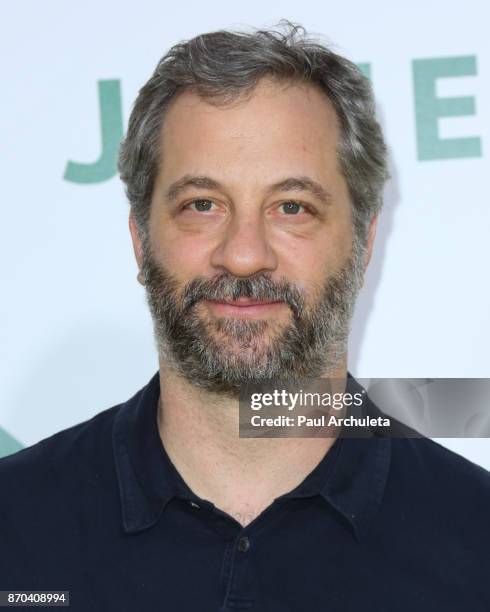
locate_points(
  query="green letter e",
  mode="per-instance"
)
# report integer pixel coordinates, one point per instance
(428, 108)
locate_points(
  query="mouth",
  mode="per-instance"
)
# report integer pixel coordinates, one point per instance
(244, 307)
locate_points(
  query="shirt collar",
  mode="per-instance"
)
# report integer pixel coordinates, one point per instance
(145, 474)
(351, 477)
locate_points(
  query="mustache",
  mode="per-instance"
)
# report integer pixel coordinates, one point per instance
(228, 287)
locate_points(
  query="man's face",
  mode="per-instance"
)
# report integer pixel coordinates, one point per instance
(249, 263)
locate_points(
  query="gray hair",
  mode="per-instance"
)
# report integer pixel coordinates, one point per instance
(221, 66)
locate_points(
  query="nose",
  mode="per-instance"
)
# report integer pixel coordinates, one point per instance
(244, 249)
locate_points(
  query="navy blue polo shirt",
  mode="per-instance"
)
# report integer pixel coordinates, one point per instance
(380, 524)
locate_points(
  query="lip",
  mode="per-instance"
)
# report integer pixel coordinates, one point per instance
(246, 307)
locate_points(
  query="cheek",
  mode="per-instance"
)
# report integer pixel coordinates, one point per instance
(185, 254)
(313, 260)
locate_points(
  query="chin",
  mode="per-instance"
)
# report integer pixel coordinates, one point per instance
(238, 349)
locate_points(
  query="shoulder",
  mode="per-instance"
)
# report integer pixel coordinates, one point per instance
(440, 480)
(49, 493)
(75, 451)
(420, 464)
(431, 458)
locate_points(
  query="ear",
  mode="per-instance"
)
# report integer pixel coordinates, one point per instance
(137, 246)
(370, 241)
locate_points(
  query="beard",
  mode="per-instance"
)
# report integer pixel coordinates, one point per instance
(220, 354)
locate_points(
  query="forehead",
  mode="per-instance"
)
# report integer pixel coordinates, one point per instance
(285, 124)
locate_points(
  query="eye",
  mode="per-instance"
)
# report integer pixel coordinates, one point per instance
(292, 207)
(200, 205)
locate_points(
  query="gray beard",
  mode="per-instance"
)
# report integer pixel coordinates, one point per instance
(221, 354)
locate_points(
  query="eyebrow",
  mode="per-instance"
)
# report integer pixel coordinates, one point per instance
(199, 182)
(293, 183)
(303, 183)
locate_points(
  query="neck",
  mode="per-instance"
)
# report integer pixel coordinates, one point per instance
(241, 476)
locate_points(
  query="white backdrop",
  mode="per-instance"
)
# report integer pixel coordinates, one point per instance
(76, 336)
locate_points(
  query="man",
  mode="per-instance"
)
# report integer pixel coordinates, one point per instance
(254, 167)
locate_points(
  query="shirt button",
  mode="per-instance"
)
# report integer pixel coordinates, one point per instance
(243, 544)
